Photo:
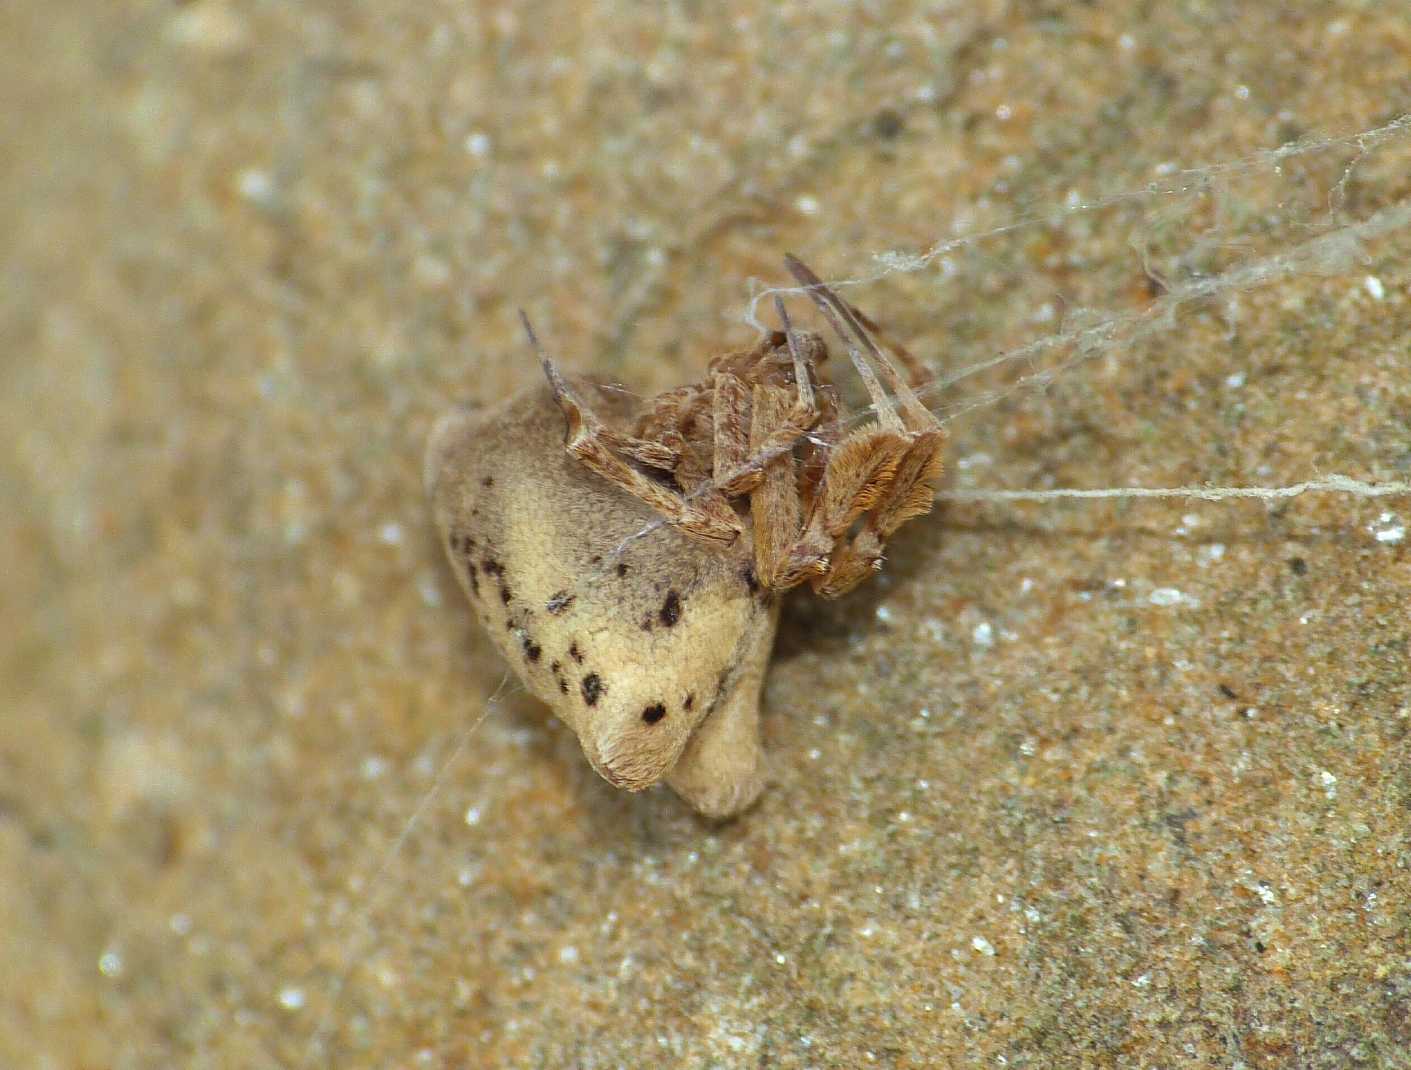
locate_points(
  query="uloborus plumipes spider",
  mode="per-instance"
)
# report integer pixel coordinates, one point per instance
(653, 650)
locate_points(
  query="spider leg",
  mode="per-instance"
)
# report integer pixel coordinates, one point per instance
(918, 375)
(730, 416)
(917, 417)
(889, 472)
(774, 503)
(594, 444)
(742, 457)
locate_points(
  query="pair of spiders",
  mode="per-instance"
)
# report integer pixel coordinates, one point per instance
(654, 653)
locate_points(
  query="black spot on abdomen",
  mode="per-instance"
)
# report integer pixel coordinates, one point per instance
(670, 609)
(654, 713)
(592, 687)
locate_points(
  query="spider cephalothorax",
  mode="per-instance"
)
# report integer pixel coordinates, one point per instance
(652, 644)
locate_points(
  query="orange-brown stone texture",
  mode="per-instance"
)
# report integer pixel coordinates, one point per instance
(1108, 784)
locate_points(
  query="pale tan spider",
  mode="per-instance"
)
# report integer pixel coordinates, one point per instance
(735, 434)
(652, 644)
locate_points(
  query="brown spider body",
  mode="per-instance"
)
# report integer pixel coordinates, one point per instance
(627, 557)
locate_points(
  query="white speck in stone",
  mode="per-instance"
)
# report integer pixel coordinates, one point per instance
(973, 460)
(477, 143)
(869, 928)
(1388, 528)
(1028, 748)
(373, 767)
(780, 958)
(1026, 585)
(980, 944)
(904, 816)
(213, 28)
(431, 272)
(429, 591)
(1235, 380)
(255, 185)
(465, 876)
(472, 816)
(291, 997)
(1329, 782)
(1126, 42)
(1031, 914)
(390, 533)
(179, 924)
(814, 754)
(1242, 92)
(568, 954)
(1142, 981)
(1004, 112)
(1211, 553)
(1165, 596)
(807, 204)
(884, 614)
(924, 94)
(983, 634)
(1374, 287)
(110, 963)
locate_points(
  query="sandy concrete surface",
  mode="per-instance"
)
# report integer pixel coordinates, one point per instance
(1107, 784)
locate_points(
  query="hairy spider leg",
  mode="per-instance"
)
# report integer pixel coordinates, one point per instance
(590, 441)
(912, 491)
(887, 472)
(743, 455)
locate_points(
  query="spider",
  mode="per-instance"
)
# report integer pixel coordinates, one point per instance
(655, 652)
